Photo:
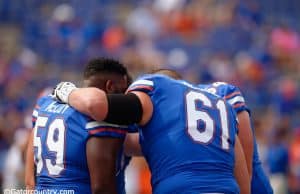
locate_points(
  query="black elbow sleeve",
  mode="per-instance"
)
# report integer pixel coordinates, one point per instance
(123, 109)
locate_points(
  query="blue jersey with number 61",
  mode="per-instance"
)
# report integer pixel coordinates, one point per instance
(189, 141)
(60, 136)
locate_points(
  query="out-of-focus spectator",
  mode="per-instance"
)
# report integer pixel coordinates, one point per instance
(13, 176)
(285, 48)
(168, 5)
(285, 42)
(294, 153)
(113, 38)
(278, 158)
(142, 23)
(285, 100)
(138, 179)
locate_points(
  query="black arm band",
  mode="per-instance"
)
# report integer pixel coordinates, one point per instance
(123, 109)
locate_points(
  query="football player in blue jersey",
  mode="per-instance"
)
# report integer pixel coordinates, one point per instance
(67, 151)
(233, 95)
(130, 148)
(188, 135)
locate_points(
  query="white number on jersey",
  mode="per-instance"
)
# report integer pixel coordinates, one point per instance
(206, 134)
(55, 142)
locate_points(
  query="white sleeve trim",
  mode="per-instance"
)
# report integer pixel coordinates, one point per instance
(142, 82)
(95, 124)
(236, 99)
(35, 113)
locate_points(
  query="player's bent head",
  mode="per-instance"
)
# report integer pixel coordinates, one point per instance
(107, 74)
(168, 72)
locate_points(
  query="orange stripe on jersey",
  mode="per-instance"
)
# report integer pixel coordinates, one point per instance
(99, 130)
(140, 87)
(232, 94)
(239, 105)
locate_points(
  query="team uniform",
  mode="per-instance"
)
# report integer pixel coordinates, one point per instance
(123, 162)
(60, 136)
(233, 95)
(189, 141)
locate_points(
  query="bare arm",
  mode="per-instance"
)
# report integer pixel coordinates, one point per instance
(131, 145)
(93, 102)
(240, 169)
(29, 164)
(246, 139)
(90, 101)
(147, 107)
(102, 155)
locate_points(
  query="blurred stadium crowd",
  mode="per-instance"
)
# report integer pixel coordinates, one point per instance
(254, 44)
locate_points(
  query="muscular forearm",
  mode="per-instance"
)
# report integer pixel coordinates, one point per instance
(246, 139)
(240, 170)
(123, 109)
(29, 164)
(90, 101)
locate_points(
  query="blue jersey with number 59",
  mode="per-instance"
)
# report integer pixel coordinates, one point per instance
(189, 141)
(60, 136)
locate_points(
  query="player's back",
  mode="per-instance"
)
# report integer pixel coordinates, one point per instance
(189, 141)
(60, 147)
(233, 95)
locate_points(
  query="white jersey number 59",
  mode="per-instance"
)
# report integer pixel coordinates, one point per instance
(55, 141)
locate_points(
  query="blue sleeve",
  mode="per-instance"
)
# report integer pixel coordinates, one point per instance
(133, 128)
(39, 103)
(234, 121)
(232, 94)
(143, 84)
(103, 129)
(234, 97)
(34, 115)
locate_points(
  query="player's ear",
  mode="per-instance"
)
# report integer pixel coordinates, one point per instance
(109, 86)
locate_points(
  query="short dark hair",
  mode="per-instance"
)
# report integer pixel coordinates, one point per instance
(129, 79)
(104, 65)
(169, 72)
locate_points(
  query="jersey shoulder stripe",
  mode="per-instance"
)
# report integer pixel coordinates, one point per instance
(143, 82)
(239, 105)
(96, 128)
(107, 129)
(140, 88)
(236, 99)
(96, 124)
(230, 95)
(141, 85)
(35, 113)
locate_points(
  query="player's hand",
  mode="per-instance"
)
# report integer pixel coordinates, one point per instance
(62, 91)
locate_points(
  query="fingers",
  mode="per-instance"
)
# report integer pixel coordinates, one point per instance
(62, 91)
